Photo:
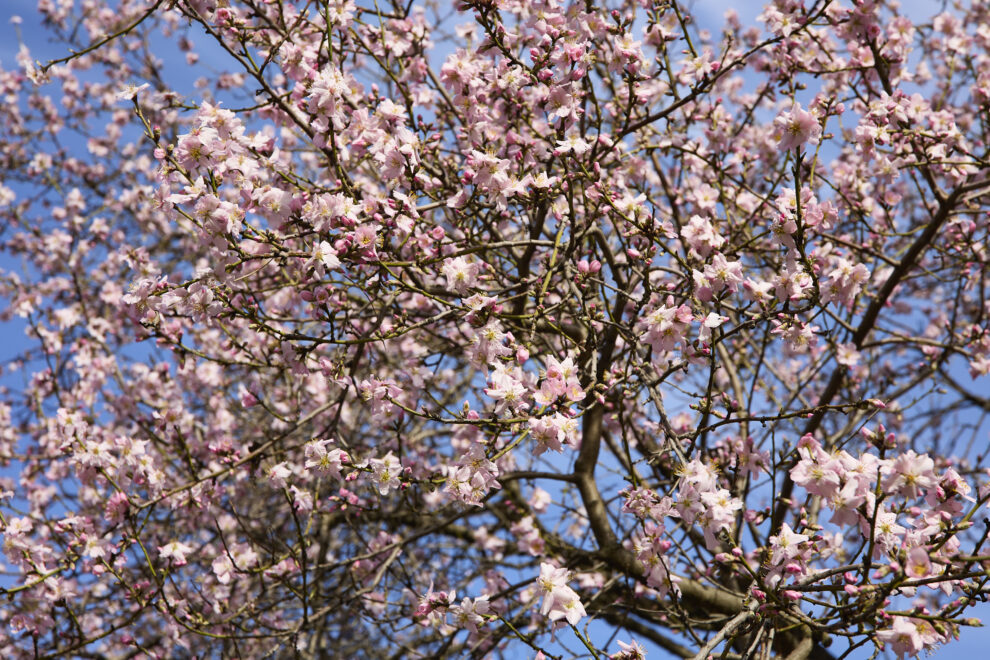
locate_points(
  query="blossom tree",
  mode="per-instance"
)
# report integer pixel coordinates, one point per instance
(513, 328)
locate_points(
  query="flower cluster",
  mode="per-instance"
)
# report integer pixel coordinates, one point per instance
(559, 600)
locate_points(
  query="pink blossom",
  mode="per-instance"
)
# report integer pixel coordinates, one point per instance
(559, 600)
(797, 127)
(786, 545)
(175, 551)
(323, 459)
(471, 613)
(631, 651)
(903, 637)
(461, 274)
(386, 472)
(910, 474)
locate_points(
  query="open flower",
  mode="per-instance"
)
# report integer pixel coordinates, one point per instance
(559, 600)
(797, 127)
(175, 551)
(386, 471)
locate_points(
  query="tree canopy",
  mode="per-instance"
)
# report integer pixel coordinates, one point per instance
(497, 328)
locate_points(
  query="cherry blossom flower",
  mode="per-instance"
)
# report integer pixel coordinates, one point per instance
(461, 274)
(323, 459)
(386, 472)
(910, 474)
(327, 255)
(129, 92)
(471, 613)
(797, 127)
(786, 545)
(175, 551)
(630, 651)
(559, 600)
(903, 637)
